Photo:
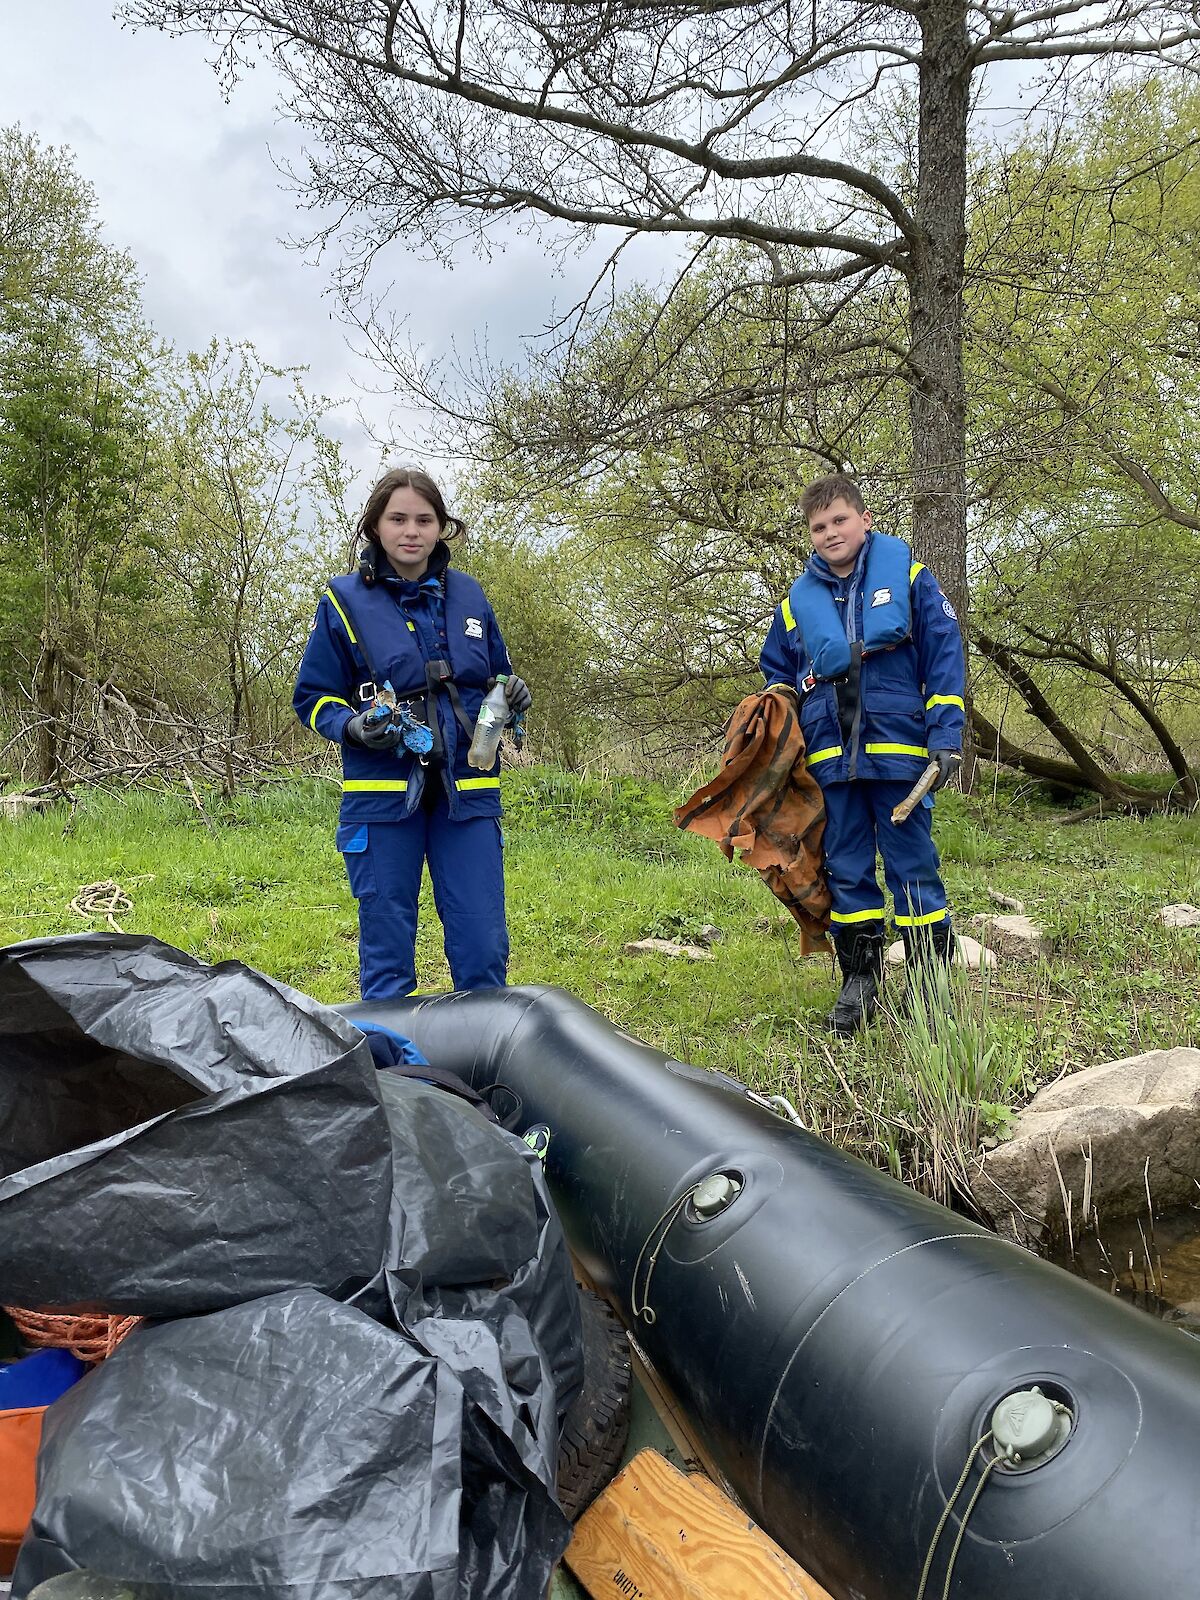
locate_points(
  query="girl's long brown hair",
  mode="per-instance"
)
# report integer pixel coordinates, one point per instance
(404, 478)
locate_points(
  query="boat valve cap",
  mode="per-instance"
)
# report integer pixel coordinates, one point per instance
(715, 1194)
(1028, 1428)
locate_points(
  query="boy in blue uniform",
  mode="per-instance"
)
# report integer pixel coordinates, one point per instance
(872, 646)
(407, 619)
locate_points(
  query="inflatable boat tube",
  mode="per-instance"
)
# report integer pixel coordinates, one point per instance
(842, 1344)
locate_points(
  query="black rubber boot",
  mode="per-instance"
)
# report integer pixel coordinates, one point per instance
(860, 956)
(925, 951)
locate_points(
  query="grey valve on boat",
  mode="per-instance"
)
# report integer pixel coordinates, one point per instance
(1028, 1429)
(714, 1194)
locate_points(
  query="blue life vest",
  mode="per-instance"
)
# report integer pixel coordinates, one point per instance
(392, 649)
(887, 608)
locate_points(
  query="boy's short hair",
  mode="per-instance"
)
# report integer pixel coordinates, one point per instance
(822, 492)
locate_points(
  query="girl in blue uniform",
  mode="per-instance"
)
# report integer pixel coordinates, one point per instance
(872, 646)
(407, 620)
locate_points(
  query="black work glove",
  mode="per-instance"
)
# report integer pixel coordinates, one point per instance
(377, 736)
(948, 762)
(516, 692)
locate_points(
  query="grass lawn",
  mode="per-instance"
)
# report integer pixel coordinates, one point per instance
(595, 863)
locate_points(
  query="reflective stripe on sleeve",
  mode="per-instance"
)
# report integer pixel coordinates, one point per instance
(896, 750)
(917, 566)
(945, 700)
(326, 700)
(789, 620)
(827, 754)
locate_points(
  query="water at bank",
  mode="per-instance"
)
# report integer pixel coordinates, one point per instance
(1154, 1265)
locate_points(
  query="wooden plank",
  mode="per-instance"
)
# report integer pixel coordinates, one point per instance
(660, 1534)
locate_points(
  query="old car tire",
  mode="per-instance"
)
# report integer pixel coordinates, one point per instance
(596, 1425)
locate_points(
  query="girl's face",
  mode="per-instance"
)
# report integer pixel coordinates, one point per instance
(408, 530)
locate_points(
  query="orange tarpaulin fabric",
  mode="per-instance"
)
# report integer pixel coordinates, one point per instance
(765, 803)
(20, 1435)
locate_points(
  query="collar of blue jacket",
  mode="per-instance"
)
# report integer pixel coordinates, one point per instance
(432, 580)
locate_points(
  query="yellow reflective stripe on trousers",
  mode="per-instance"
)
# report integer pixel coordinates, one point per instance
(858, 916)
(922, 922)
(326, 700)
(789, 621)
(476, 783)
(332, 598)
(917, 566)
(945, 700)
(896, 750)
(823, 755)
(374, 785)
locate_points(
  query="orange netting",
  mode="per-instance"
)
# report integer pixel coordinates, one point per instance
(89, 1338)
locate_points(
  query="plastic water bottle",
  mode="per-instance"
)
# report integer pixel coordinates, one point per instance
(489, 725)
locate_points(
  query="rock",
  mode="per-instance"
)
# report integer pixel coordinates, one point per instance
(1126, 1112)
(968, 952)
(667, 947)
(20, 805)
(710, 935)
(1181, 916)
(1015, 936)
(1005, 900)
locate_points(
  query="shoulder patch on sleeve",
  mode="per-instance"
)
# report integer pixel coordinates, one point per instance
(949, 610)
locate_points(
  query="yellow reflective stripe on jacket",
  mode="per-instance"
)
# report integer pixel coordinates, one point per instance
(860, 916)
(374, 785)
(896, 750)
(945, 700)
(823, 755)
(326, 700)
(917, 566)
(477, 783)
(332, 598)
(789, 620)
(921, 922)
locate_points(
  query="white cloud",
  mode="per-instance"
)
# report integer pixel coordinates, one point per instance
(191, 186)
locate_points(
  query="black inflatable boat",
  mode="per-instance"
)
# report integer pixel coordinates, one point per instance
(856, 1359)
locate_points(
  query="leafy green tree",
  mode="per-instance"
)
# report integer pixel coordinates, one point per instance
(251, 517)
(75, 437)
(764, 123)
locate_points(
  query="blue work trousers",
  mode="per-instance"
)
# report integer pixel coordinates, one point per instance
(466, 867)
(858, 823)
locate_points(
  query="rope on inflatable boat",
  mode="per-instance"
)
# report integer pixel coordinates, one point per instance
(945, 1516)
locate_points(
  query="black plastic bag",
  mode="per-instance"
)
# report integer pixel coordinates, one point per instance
(194, 1134)
(290, 1447)
(176, 1137)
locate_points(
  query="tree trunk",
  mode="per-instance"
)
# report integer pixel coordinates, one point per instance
(937, 397)
(46, 760)
(937, 394)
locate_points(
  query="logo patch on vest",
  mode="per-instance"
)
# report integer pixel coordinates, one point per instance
(881, 597)
(474, 628)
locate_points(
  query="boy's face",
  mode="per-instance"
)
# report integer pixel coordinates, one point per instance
(838, 533)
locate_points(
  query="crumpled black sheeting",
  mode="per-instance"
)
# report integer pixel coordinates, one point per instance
(401, 1445)
(176, 1137)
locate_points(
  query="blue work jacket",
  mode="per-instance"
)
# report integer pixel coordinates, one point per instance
(401, 626)
(908, 700)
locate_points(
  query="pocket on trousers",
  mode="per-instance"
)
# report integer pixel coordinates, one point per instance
(354, 844)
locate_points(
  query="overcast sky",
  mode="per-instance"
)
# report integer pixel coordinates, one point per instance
(189, 185)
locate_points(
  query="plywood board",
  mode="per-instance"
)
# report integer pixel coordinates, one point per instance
(660, 1534)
